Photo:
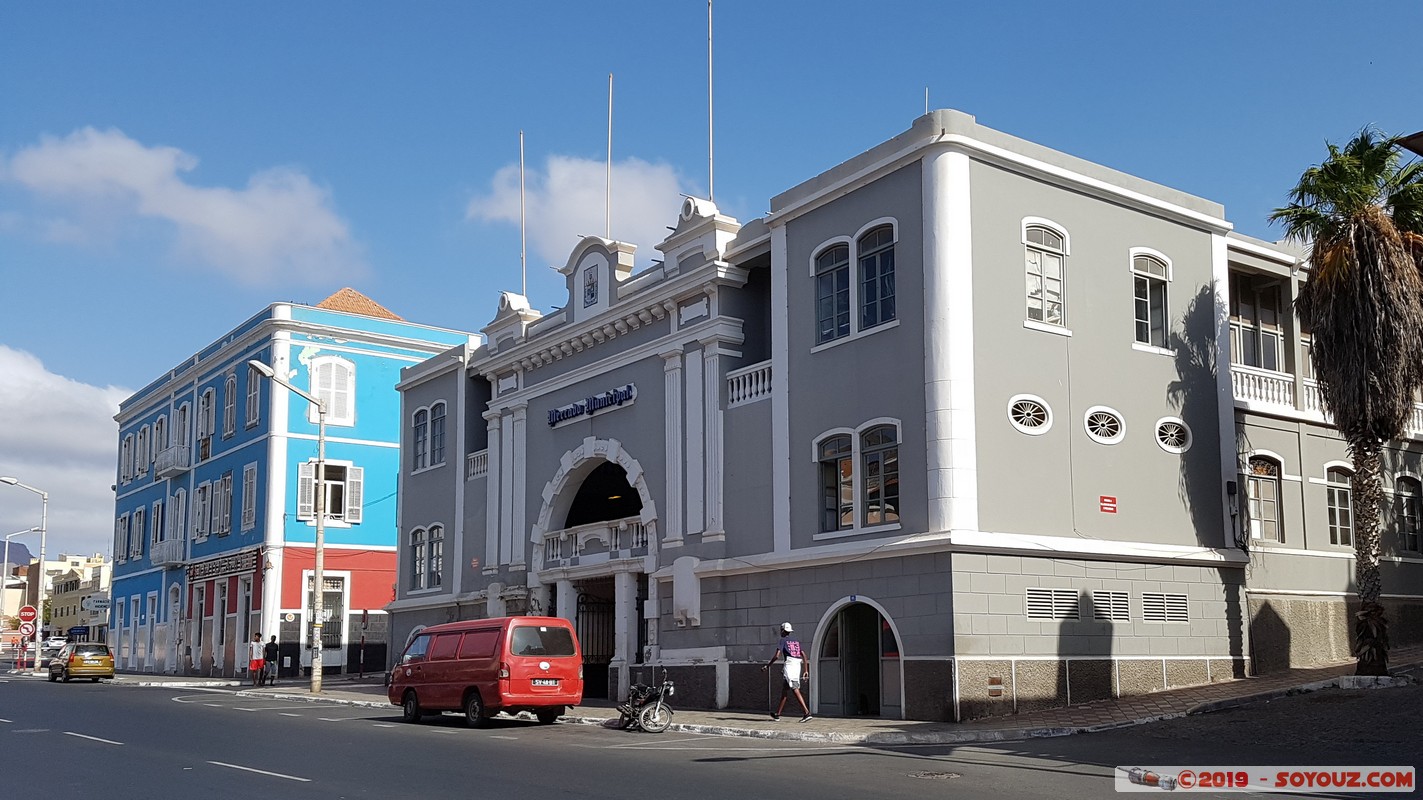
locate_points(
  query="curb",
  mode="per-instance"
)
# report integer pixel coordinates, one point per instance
(1341, 682)
(195, 684)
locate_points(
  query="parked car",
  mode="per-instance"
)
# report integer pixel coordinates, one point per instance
(55, 642)
(82, 660)
(482, 667)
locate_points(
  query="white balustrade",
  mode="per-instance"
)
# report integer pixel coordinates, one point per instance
(617, 535)
(476, 465)
(748, 384)
(1263, 385)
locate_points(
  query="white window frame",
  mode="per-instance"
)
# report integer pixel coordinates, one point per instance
(1030, 398)
(1255, 518)
(1027, 224)
(420, 440)
(222, 516)
(1155, 255)
(137, 530)
(182, 424)
(229, 406)
(206, 421)
(444, 415)
(160, 435)
(855, 276)
(1333, 490)
(1409, 520)
(121, 529)
(202, 504)
(1107, 440)
(156, 523)
(419, 552)
(249, 497)
(352, 493)
(141, 453)
(254, 396)
(857, 479)
(177, 514)
(336, 414)
(126, 459)
(1177, 449)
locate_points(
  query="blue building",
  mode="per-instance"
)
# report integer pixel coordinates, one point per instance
(214, 533)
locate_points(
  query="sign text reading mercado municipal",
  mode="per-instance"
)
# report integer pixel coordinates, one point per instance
(593, 404)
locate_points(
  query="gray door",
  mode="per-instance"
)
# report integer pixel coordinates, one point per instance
(859, 665)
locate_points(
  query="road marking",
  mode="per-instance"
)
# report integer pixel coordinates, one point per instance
(510, 738)
(384, 725)
(261, 771)
(91, 738)
(214, 705)
(5, 720)
(286, 714)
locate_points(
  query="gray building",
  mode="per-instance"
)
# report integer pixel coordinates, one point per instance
(953, 408)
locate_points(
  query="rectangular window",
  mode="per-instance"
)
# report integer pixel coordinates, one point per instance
(1262, 490)
(159, 532)
(229, 407)
(1410, 513)
(832, 294)
(1150, 311)
(1163, 607)
(1255, 321)
(135, 539)
(333, 602)
(254, 396)
(1044, 287)
(1053, 604)
(1341, 514)
(420, 439)
(121, 538)
(437, 554)
(178, 516)
(222, 511)
(417, 558)
(344, 490)
(202, 502)
(249, 497)
(1111, 606)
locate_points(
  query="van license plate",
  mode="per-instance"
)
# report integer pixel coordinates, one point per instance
(545, 681)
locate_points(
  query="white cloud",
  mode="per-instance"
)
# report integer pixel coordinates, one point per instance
(59, 436)
(566, 200)
(279, 225)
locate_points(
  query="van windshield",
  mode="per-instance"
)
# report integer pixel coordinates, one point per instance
(533, 640)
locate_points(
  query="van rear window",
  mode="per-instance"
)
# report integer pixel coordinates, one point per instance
(531, 640)
(91, 649)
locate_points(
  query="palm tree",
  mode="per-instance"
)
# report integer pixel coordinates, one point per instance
(1361, 213)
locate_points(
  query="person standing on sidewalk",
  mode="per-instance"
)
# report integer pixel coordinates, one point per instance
(795, 671)
(254, 654)
(271, 654)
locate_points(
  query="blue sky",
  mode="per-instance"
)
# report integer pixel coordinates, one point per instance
(168, 169)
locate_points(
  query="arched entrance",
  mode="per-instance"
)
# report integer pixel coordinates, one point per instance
(595, 531)
(860, 671)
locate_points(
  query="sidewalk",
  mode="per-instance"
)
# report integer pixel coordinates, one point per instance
(1085, 718)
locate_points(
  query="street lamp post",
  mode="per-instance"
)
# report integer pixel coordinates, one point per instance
(39, 592)
(5, 588)
(318, 605)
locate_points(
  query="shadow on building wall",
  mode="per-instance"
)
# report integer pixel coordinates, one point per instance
(1084, 648)
(1195, 394)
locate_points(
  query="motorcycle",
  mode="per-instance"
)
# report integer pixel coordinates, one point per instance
(647, 707)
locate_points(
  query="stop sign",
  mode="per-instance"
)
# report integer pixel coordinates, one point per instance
(28, 614)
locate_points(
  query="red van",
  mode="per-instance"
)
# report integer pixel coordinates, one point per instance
(481, 667)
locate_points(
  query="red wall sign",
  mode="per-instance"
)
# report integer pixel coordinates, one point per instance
(1107, 504)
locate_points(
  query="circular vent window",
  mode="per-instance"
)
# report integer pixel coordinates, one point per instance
(1105, 425)
(1030, 414)
(1173, 434)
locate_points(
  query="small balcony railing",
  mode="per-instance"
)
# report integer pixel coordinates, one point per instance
(173, 461)
(1263, 385)
(748, 384)
(621, 536)
(167, 553)
(476, 465)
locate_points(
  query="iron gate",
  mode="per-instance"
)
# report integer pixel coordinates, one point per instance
(596, 635)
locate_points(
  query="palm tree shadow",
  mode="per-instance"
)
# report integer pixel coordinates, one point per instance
(1212, 500)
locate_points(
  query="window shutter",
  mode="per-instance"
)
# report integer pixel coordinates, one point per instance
(355, 480)
(249, 497)
(226, 504)
(135, 540)
(306, 490)
(120, 543)
(200, 512)
(180, 503)
(155, 528)
(341, 380)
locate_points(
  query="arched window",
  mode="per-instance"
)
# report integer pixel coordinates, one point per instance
(1262, 492)
(832, 293)
(837, 484)
(160, 435)
(333, 381)
(1046, 268)
(1410, 512)
(437, 555)
(1150, 276)
(876, 257)
(879, 452)
(420, 440)
(437, 434)
(1339, 483)
(418, 551)
(205, 424)
(141, 457)
(229, 406)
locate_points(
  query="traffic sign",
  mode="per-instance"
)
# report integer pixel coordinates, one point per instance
(94, 604)
(29, 614)
(27, 629)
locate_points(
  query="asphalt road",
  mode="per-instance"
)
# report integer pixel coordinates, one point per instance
(115, 742)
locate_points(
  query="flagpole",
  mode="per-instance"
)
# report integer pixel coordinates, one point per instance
(523, 239)
(711, 162)
(608, 198)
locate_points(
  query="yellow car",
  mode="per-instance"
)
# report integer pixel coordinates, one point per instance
(82, 660)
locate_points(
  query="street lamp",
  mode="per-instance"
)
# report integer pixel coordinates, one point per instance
(318, 609)
(5, 589)
(44, 520)
(1412, 142)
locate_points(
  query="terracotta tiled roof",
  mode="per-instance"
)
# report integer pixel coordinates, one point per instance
(353, 302)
